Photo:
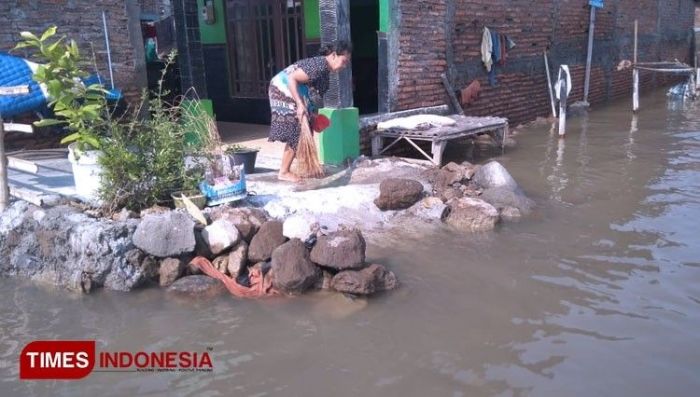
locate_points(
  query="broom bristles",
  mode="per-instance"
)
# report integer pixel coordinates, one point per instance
(308, 164)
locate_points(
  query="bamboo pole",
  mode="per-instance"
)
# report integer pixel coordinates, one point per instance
(635, 72)
(549, 85)
(587, 82)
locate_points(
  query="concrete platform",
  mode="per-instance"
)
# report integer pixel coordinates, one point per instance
(53, 180)
(55, 176)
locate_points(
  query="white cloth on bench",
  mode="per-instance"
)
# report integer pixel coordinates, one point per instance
(418, 121)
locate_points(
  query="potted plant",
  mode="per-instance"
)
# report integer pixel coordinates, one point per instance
(240, 154)
(81, 108)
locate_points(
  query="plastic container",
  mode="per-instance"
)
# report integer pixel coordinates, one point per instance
(246, 158)
(195, 196)
(86, 172)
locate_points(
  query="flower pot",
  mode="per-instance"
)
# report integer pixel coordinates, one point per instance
(195, 196)
(245, 157)
(86, 172)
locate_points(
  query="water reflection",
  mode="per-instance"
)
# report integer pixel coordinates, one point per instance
(597, 295)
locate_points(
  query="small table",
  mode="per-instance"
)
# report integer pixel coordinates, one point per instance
(466, 126)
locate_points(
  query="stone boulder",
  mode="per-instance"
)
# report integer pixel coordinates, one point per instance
(148, 264)
(430, 208)
(197, 286)
(238, 259)
(450, 193)
(300, 226)
(324, 281)
(493, 174)
(62, 247)
(221, 263)
(510, 214)
(220, 236)
(465, 170)
(165, 234)
(373, 278)
(445, 179)
(502, 197)
(472, 214)
(340, 250)
(170, 270)
(398, 194)
(265, 241)
(247, 220)
(292, 270)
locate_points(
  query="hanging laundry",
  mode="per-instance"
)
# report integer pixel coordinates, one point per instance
(504, 50)
(486, 49)
(496, 47)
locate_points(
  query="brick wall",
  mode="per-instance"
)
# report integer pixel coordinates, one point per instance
(445, 36)
(80, 20)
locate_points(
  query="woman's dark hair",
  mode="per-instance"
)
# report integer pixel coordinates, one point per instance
(340, 47)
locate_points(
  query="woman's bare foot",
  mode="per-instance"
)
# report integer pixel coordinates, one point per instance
(288, 176)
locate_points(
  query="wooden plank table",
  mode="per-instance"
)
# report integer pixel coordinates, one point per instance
(465, 127)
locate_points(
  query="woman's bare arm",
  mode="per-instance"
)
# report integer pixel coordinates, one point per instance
(295, 78)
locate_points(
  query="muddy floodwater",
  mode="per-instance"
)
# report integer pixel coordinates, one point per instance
(596, 294)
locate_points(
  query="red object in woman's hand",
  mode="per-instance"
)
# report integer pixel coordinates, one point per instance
(320, 123)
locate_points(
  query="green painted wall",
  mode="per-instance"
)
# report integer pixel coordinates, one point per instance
(384, 17)
(312, 19)
(216, 32)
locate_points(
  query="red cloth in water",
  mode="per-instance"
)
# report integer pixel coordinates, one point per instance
(260, 285)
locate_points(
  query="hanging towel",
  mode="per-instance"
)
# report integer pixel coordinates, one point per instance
(486, 49)
(563, 69)
(496, 47)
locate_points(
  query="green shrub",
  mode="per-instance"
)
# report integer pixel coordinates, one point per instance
(144, 158)
(83, 109)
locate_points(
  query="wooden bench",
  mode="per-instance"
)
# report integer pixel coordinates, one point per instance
(465, 127)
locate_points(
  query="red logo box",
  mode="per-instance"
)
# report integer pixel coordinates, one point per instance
(58, 359)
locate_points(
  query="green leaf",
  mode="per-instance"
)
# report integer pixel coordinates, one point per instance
(73, 49)
(29, 36)
(40, 74)
(48, 122)
(22, 44)
(52, 48)
(70, 138)
(92, 141)
(48, 33)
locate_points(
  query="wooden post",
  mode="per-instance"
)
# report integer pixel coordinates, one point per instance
(549, 85)
(587, 82)
(4, 190)
(450, 94)
(635, 73)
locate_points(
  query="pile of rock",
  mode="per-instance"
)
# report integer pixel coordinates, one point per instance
(298, 253)
(466, 196)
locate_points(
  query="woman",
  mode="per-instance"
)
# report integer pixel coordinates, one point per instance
(298, 90)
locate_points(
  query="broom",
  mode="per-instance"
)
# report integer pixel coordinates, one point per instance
(308, 165)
